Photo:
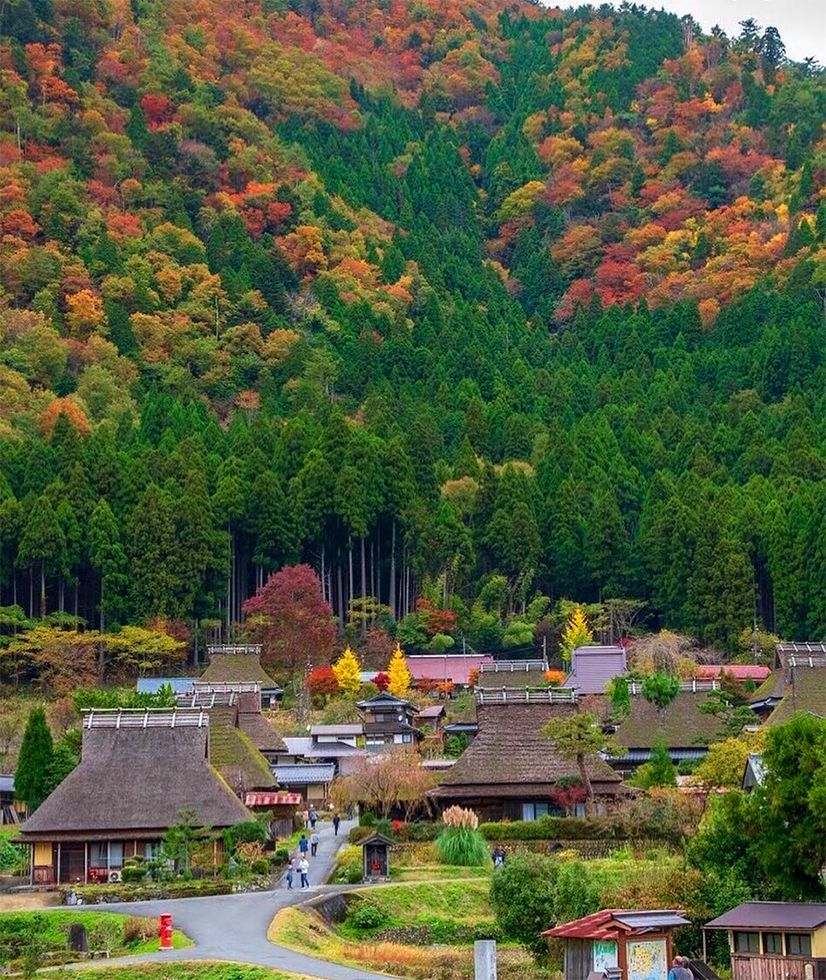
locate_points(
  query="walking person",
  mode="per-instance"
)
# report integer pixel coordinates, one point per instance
(314, 843)
(683, 972)
(313, 817)
(290, 872)
(336, 822)
(303, 845)
(304, 871)
(306, 817)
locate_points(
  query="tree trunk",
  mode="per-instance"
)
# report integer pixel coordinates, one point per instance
(586, 782)
(391, 591)
(101, 664)
(42, 589)
(363, 588)
(323, 576)
(229, 582)
(350, 574)
(340, 591)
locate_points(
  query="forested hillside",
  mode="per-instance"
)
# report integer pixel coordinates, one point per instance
(480, 299)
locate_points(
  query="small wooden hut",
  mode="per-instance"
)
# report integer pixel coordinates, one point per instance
(636, 943)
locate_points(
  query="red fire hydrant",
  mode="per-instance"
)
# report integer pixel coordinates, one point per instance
(166, 930)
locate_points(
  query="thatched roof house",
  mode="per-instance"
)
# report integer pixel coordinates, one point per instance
(686, 730)
(230, 665)
(138, 770)
(798, 683)
(512, 771)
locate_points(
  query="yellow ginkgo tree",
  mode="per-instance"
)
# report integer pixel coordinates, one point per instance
(348, 672)
(398, 674)
(577, 633)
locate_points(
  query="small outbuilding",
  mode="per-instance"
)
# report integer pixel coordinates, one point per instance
(375, 851)
(638, 943)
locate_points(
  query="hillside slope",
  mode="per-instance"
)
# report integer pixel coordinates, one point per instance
(464, 297)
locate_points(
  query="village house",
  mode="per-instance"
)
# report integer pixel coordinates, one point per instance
(241, 664)
(388, 721)
(138, 771)
(510, 771)
(310, 780)
(775, 940)
(342, 745)
(627, 943)
(686, 730)
(797, 683)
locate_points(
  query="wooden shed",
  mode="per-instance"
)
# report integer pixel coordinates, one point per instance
(636, 943)
(375, 851)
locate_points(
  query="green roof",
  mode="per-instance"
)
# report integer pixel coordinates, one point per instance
(234, 754)
(236, 668)
(808, 693)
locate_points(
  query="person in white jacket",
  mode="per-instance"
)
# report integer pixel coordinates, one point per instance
(304, 871)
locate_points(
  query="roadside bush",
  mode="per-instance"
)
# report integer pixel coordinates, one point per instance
(105, 935)
(367, 917)
(249, 832)
(367, 819)
(523, 895)
(360, 833)
(281, 855)
(576, 892)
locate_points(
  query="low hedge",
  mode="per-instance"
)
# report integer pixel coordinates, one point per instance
(557, 828)
(404, 833)
(154, 890)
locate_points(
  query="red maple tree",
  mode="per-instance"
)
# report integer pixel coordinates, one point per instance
(290, 618)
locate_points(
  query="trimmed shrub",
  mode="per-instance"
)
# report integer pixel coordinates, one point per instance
(367, 917)
(367, 819)
(523, 896)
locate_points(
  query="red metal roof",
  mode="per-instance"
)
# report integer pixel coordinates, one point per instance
(272, 799)
(456, 668)
(740, 672)
(611, 923)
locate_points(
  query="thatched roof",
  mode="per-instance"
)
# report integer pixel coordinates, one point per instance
(234, 754)
(136, 780)
(804, 691)
(510, 754)
(236, 668)
(253, 724)
(681, 724)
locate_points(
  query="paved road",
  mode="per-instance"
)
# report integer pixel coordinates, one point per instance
(234, 927)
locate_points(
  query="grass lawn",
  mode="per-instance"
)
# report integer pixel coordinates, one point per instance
(179, 971)
(306, 932)
(122, 935)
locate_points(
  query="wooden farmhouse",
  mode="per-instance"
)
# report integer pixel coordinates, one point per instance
(138, 770)
(776, 940)
(634, 945)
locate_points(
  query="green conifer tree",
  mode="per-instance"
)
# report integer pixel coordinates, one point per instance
(32, 781)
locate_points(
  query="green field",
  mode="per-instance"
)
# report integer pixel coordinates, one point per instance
(121, 935)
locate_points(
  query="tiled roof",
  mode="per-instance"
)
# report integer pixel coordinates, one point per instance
(510, 750)
(593, 667)
(302, 775)
(456, 668)
(681, 723)
(340, 730)
(431, 711)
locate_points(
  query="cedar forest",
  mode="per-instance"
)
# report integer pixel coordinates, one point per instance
(476, 300)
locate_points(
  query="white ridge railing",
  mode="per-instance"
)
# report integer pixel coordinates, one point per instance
(144, 718)
(512, 666)
(523, 695)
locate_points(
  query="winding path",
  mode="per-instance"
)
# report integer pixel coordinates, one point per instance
(234, 927)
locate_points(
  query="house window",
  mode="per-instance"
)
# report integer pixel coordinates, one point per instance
(773, 943)
(407, 739)
(116, 854)
(579, 809)
(747, 942)
(798, 944)
(152, 849)
(533, 811)
(99, 854)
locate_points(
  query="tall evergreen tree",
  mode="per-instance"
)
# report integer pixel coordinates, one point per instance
(32, 780)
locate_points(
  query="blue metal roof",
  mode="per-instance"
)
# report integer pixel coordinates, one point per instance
(643, 755)
(302, 775)
(6, 784)
(151, 685)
